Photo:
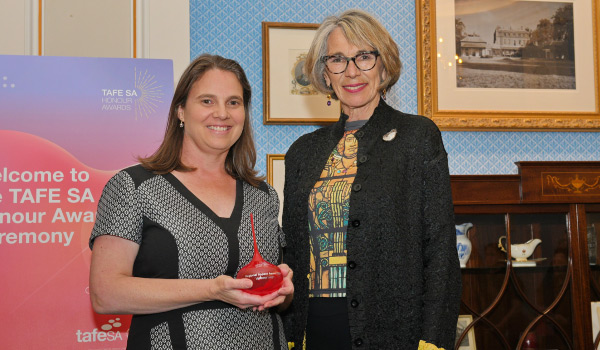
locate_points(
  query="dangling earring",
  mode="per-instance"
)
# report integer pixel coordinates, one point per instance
(328, 100)
(181, 123)
(383, 92)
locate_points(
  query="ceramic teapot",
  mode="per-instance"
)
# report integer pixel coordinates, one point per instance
(463, 244)
(520, 252)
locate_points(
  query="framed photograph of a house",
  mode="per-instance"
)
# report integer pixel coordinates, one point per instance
(509, 65)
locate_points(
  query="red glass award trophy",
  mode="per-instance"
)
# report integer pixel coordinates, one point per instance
(266, 277)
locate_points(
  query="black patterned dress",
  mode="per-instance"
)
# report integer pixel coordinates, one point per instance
(181, 238)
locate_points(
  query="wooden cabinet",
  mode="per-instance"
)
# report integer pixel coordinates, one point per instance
(545, 302)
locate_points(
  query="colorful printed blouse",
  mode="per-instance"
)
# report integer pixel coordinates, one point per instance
(328, 207)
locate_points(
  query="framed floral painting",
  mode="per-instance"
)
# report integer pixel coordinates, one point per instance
(288, 95)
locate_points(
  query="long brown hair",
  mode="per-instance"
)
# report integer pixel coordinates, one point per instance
(241, 158)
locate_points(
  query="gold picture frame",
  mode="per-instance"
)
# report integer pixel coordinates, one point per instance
(442, 64)
(288, 96)
(468, 341)
(276, 176)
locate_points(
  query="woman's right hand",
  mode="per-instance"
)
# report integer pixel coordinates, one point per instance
(231, 290)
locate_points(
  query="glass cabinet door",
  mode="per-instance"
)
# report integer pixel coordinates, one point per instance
(593, 231)
(522, 302)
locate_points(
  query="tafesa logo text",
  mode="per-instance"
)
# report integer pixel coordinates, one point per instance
(112, 330)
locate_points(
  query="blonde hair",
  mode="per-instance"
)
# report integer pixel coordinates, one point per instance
(359, 28)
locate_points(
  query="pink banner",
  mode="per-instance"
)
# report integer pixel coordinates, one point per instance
(68, 124)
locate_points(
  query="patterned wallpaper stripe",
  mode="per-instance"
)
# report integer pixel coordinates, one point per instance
(232, 28)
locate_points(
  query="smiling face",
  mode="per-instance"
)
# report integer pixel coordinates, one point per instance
(213, 115)
(358, 91)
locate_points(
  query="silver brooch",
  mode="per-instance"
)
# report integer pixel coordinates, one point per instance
(390, 135)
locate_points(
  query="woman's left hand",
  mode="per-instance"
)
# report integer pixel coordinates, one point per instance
(284, 295)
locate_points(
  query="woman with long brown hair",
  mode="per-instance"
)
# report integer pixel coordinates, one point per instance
(172, 232)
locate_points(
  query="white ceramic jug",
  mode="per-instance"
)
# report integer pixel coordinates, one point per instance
(463, 244)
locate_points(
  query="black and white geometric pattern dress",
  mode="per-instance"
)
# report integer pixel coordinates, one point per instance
(180, 237)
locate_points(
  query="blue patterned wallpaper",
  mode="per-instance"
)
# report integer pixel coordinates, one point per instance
(232, 28)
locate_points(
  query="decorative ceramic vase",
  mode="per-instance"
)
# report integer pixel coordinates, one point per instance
(463, 244)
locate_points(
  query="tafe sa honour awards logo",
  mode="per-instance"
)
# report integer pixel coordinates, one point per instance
(143, 99)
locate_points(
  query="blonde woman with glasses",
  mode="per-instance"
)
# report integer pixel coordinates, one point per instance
(368, 211)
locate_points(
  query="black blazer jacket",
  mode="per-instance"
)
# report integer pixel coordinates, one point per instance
(403, 276)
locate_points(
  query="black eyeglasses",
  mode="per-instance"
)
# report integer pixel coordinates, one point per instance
(364, 61)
